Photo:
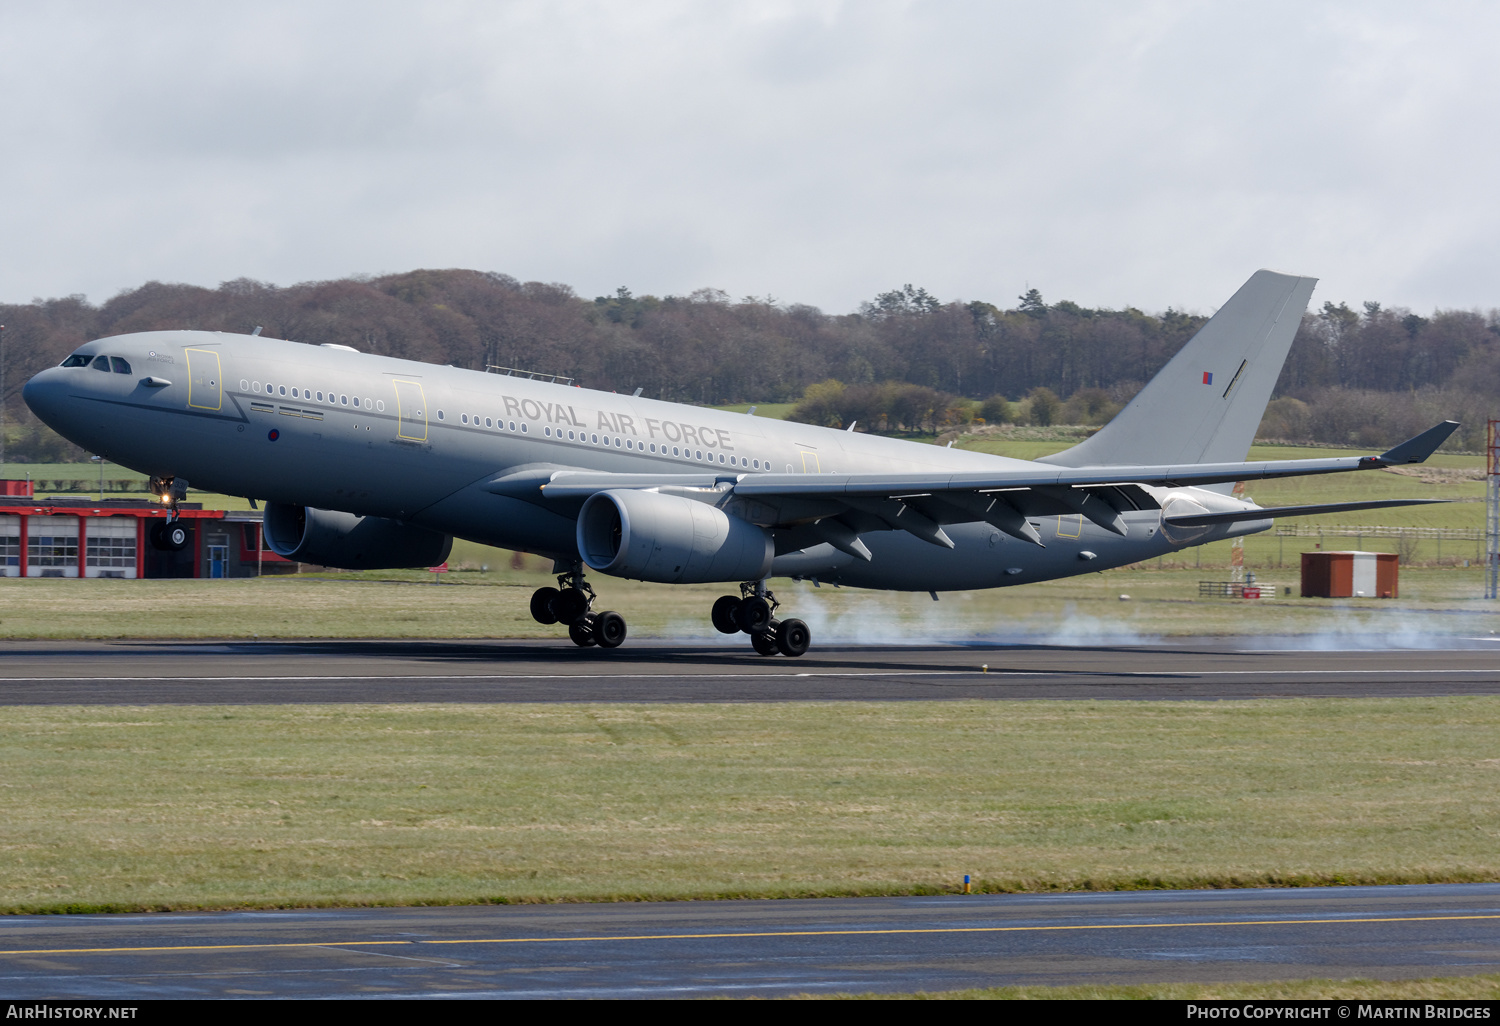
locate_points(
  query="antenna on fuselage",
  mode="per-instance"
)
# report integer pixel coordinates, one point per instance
(636, 394)
(256, 331)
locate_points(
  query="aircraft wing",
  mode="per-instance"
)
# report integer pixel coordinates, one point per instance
(582, 483)
(836, 508)
(1414, 450)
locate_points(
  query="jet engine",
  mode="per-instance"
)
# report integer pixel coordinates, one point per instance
(649, 536)
(330, 538)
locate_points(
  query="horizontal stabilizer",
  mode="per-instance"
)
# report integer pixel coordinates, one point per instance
(1271, 512)
(1416, 450)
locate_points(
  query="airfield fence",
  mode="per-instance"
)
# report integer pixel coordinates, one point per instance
(69, 485)
(1379, 531)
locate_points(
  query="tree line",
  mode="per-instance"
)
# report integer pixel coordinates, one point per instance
(708, 348)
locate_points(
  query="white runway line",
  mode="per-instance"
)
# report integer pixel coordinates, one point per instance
(752, 676)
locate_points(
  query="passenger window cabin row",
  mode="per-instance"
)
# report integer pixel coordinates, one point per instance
(120, 366)
(586, 438)
(306, 395)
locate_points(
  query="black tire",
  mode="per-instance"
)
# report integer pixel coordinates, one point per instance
(582, 631)
(541, 605)
(792, 637)
(726, 615)
(764, 642)
(570, 605)
(755, 615)
(609, 629)
(175, 536)
(157, 542)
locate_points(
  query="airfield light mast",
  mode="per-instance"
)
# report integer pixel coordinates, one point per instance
(1492, 510)
(1237, 547)
(2, 396)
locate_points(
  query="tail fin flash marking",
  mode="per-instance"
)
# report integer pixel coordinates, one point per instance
(1243, 364)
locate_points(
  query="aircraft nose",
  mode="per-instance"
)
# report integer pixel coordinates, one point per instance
(46, 393)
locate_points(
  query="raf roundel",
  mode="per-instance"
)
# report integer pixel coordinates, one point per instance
(274, 434)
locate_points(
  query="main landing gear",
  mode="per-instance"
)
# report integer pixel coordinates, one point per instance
(572, 603)
(752, 613)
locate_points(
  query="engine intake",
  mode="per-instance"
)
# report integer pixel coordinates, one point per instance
(330, 538)
(649, 536)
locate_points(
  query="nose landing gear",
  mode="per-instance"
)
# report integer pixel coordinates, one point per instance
(170, 535)
(572, 603)
(754, 614)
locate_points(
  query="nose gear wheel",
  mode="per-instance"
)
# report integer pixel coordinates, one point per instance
(169, 535)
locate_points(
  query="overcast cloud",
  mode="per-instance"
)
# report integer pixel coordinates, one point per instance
(1152, 154)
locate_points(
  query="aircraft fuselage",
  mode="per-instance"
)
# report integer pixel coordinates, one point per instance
(370, 435)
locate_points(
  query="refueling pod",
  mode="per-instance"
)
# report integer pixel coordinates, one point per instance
(329, 538)
(648, 536)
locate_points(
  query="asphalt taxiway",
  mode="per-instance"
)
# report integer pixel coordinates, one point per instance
(177, 672)
(766, 948)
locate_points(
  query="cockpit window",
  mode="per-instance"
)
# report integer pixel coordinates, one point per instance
(120, 366)
(101, 363)
(77, 360)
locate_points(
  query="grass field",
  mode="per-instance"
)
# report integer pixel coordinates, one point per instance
(174, 807)
(775, 411)
(177, 807)
(472, 604)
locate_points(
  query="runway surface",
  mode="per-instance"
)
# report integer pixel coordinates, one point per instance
(150, 672)
(769, 948)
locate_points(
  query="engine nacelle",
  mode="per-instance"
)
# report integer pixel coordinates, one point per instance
(330, 538)
(649, 536)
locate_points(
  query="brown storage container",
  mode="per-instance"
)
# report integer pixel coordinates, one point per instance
(1350, 574)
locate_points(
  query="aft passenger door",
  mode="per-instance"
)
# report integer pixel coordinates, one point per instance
(411, 411)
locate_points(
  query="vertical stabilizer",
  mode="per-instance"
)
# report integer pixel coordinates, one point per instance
(1206, 403)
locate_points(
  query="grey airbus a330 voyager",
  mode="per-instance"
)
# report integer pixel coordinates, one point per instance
(368, 462)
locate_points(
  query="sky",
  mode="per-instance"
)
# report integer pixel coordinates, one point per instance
(815, 152)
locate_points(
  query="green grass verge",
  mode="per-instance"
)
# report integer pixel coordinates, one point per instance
(775, 411)
(267, 806)
(495, 604)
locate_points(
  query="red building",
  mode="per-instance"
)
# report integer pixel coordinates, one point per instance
(85, 538)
